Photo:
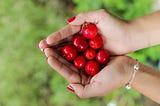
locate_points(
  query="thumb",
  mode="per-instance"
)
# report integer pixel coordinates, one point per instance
(91, 17)
(84, 91)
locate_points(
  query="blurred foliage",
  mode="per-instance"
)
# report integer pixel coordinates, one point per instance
(25, 77)
(126, 9)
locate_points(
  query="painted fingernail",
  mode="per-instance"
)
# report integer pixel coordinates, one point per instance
(70, 88)
(46, 58)
(71, 19)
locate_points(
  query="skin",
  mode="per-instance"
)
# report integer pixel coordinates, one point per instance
(120, 37)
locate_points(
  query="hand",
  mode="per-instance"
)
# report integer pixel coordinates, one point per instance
(113, 30)
(119, 38)
(115, 75)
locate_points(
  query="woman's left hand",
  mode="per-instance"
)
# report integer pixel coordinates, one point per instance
(111, 77)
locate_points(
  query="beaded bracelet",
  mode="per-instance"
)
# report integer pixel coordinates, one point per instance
(136, 68)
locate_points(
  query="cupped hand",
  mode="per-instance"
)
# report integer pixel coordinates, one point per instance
(113, 30)
(116, 41)
(114, 75)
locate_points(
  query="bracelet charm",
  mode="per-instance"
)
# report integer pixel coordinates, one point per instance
(136, 68)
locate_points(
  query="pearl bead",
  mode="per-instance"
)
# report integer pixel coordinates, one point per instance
(136, 67)
(128, 86)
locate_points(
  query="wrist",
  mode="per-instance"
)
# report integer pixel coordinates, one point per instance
(129, 70)
(137, 34)
(130, 34)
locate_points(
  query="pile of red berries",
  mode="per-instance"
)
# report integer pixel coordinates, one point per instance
(86, 50)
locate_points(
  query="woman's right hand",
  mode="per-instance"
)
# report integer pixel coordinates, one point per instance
(113, 30)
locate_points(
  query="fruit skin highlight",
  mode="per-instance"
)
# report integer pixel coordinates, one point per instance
(90, 54)
(80, 42)
(92, 68)
(69, 52)
(79, 62)
(102, 57)
(96, 42)
(89, 30)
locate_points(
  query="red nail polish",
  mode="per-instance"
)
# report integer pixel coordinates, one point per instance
(69, 87)
(71, 19)
(46, 58)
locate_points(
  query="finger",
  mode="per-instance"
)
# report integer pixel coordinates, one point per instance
(67, 31)
(91, 16)
(50, 52)
(43, 44)
(63, 70)
(53, 53)
(87, 91)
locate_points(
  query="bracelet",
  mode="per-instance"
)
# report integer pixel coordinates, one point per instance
(136, 68)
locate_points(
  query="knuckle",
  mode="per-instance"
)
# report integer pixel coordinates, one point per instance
(71, 29)
(54, 37)
(72, 78)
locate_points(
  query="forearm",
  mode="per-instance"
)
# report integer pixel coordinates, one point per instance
(146, 81)
(145, 31)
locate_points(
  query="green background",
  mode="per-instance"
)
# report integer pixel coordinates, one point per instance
(25, 77)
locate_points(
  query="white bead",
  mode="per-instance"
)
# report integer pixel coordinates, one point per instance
(136, 67)
(128, 86)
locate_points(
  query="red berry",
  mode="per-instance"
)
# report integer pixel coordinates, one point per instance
(69, 52)
(80, 43)
(79, 62)
(92, 68)
(96, 42)
(102, 56)
(89, 30)
(90, 54)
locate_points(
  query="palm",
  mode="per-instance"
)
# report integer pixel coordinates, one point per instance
(114, 31)
(66, 69)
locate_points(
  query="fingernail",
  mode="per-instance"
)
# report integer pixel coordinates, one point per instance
(46, 58)
(71, 19)
(42, 50)
(45, 42)
(70, 88)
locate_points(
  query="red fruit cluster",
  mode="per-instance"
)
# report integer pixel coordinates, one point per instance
(86, 50)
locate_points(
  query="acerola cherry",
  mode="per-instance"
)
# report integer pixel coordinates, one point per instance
(79, 62)
(92, 68)
(102, 56)
(89, 30)
(96, 42)
(80, 43)
(90, 54)
(69, 52)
